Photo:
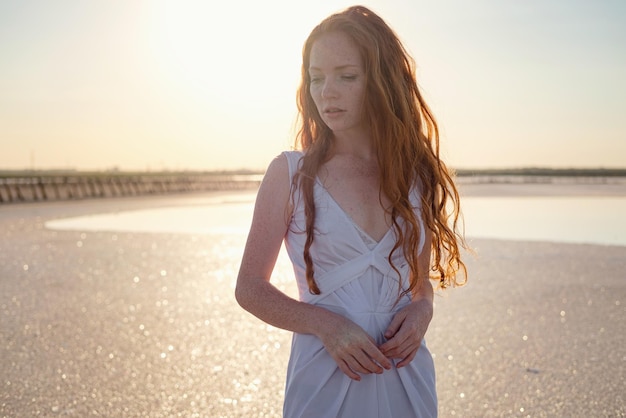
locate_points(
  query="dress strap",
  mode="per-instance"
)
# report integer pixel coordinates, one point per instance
(293, 160)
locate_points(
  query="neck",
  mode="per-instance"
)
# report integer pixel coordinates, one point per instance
(355, 144)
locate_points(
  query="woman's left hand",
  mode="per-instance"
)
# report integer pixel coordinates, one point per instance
(405, 332)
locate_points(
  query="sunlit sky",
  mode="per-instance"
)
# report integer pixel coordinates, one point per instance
(206, 85)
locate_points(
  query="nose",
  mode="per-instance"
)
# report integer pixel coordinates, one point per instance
(329, 89)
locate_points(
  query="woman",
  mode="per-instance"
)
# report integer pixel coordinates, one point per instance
(361, 208)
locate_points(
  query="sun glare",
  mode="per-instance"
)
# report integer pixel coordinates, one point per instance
(223, 55)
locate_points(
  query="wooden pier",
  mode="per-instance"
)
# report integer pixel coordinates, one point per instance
(33, 188)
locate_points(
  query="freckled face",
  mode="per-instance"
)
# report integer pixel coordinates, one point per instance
(337, 82)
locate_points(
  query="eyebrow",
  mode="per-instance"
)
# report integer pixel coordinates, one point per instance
(339, 68)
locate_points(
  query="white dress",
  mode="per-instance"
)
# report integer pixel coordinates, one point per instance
(355, 280)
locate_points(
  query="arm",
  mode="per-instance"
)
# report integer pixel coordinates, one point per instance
(351, 347)
(408, 327)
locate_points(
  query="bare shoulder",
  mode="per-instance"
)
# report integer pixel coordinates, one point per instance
(275, 188)
(278, 170)
(276, 178)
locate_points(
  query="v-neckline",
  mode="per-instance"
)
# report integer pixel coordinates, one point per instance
(357, 228)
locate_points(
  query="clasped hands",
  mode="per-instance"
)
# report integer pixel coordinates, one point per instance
(356, 352)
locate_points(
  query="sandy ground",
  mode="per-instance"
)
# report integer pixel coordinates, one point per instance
(122, 324)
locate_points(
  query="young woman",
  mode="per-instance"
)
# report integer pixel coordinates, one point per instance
(368, 212)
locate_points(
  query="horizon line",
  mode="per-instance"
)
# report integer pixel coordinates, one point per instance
(522, 170)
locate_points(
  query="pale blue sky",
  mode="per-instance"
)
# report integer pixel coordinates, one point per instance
(190, 85)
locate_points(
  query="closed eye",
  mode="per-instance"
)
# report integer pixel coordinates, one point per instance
(315, 79)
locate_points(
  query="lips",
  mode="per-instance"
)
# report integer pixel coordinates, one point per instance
(332, 110)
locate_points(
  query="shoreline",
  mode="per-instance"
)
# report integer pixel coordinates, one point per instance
(31, 188)
(559, 187)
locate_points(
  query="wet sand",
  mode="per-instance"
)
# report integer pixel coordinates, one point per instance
(122, 324)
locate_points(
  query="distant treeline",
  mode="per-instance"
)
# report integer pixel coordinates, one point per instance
(523, 171)
(545, 172)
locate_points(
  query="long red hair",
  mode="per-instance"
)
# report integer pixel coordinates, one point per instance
(406, 139)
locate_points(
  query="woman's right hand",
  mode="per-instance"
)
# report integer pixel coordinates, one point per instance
(353, 349)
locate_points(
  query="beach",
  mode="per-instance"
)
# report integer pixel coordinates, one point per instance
(140, 324)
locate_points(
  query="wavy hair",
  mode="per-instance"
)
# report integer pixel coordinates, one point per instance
(406, 140)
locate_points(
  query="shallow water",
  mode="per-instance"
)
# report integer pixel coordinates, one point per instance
(593, 220)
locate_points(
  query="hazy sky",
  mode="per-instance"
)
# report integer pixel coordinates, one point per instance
(179, 84)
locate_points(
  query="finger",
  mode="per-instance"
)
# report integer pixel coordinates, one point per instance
(408, 359)
(371, 360)
(389, 347)
(357, 361)
(394, 326)
(403, 349)
(409, 355)
(374, 354)
(378, 357)
(393, 347)
(365, 365)
(343, 366)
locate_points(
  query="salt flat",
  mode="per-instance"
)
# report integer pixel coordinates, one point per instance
(129, 324)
